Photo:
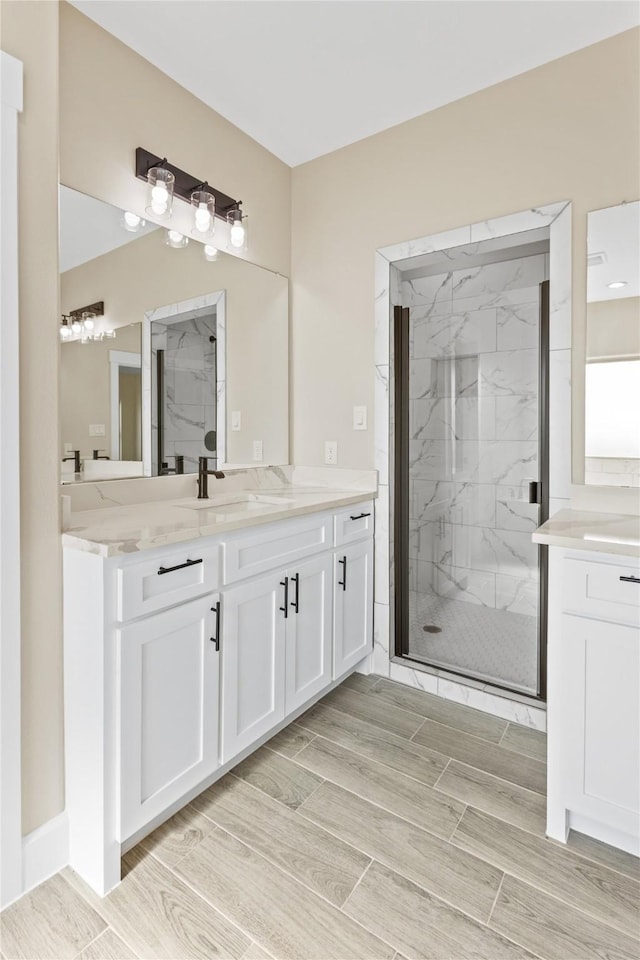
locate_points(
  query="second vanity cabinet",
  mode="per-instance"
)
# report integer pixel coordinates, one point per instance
(180, 660)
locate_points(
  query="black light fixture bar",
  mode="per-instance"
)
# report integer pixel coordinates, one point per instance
(94, 310)
(185, 184)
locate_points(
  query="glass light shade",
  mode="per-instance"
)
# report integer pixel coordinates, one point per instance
(176, 240)
(160, 192)
(110, 334)
(132, 222)
(76, 326)
(203, 205)
(210, 253)
(237, 230)
(65, 330)
(88, 322)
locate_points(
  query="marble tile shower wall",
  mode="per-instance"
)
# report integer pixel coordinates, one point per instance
(190, 394)
(474, 432)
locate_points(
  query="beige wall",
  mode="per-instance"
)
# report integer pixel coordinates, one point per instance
(30, 33)
(146, 273)
(566, 131)
(613, 328)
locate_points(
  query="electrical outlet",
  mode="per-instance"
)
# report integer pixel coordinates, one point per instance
(236, 420)
(331, 452)
(257, 450)
(96, 430)
(359, 418)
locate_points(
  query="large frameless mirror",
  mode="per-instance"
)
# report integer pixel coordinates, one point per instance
(169, 350)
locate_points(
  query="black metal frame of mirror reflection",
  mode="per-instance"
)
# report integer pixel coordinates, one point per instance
(184, 184)
(400, 595)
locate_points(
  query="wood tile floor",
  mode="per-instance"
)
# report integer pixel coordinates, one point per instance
(384, 823)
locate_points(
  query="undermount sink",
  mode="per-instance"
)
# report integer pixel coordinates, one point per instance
(241, 501)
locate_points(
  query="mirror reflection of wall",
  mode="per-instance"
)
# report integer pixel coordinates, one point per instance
(612, 384)
(153, 291)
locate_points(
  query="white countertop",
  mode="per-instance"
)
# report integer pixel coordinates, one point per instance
(616, 533)
(129, 528)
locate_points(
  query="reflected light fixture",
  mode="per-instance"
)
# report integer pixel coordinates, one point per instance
(160, 191)
(617, 284)
(237, 228)
(176, 240)
(80, 324)
(132, 222)
(210, 253)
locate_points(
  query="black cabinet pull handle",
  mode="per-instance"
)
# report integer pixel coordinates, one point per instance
(178, 566)
(631, 579)
(360, 516)
(343, 583)
(295, 603)
(216, 640)
(285, 583)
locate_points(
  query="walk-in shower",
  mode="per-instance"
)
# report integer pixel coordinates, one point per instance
(470, 481)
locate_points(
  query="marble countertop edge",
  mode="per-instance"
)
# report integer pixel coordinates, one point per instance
(591, 531)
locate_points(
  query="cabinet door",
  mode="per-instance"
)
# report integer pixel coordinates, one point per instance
(252, 650)
(308, 630)
(353, 606)
(168, 709)
(601, 666)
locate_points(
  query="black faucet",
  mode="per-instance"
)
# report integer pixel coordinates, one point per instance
(203, 475)
(76, 461)
(165, 469)
(96, 456)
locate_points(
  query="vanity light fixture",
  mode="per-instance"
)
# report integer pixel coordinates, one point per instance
(237, 228)
(132, 222)
(176, 240)
(210, 253)
(80, 324)
(617, 284)
(207, 202)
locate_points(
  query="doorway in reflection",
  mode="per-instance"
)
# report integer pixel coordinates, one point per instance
(470, 348)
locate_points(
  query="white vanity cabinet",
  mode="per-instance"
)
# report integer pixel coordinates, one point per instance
(594, 698)
(180, 660)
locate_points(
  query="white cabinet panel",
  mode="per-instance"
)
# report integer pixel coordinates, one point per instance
(252, 650)
(353, 524)
(604, 591)
(252, 552)
(308, 630)
(353, 606)
(165, 579)
(169, 709)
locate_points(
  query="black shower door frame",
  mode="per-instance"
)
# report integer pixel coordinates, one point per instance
(401, 496)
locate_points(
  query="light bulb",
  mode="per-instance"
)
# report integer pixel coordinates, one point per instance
(65, 333)
(617, 284)
(236, 234)
(202, 218)
(88, 323)
(132, 222)
(76, 326)
(210, 253)
(176, 239)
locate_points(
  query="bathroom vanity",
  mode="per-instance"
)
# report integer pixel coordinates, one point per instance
(193, 631)
(593, 709)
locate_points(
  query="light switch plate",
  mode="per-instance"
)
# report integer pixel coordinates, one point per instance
(257, 450)
(359, 418)
(96, 430)
(331, 452)
(236, 420)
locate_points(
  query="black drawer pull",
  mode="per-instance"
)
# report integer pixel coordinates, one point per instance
(216, 640)
(296, 603)
(343, 583)
(178, 566)
(285, 583)
(631, 579)
(360, 516)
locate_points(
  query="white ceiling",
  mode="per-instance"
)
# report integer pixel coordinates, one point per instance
(305, 77)
(614, 232)
(89, 228)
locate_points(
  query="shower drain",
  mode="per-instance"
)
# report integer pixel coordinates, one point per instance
(431, 628)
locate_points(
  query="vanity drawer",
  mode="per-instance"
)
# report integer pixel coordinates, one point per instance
(277, 545)
(168, 578)
(354, 523)
(602, 591)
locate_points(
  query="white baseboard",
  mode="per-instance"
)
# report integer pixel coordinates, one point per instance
(45, 851)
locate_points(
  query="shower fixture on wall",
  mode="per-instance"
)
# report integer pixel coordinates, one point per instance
(166, 181)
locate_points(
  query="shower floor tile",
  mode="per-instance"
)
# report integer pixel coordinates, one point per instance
(496, 646)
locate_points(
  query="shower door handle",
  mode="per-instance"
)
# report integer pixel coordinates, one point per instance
(535, 491)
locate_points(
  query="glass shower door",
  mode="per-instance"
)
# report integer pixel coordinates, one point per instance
(470, 484)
